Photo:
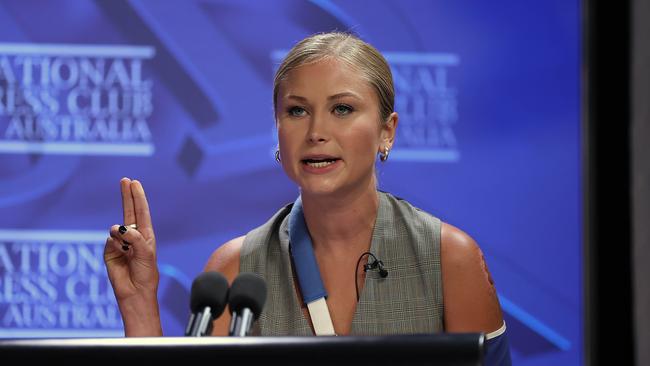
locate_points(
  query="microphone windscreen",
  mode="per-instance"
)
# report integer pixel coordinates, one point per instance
(248, 290)
(209, 289)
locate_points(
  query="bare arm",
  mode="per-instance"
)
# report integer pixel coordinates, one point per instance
(470, 298)
(226, 261)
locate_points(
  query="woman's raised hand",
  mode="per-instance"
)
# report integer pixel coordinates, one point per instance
(130, 257)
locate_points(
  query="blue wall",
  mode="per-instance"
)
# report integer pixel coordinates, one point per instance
(178, 95)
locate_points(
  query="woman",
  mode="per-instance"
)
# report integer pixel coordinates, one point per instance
(333, 98)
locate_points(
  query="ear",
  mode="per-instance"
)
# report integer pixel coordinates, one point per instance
(388, 132)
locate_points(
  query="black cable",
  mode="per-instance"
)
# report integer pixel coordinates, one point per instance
(366, 267)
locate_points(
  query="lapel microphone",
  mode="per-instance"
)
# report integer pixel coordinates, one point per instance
(375, 264)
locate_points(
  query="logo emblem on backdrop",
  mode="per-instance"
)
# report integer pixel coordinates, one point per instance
(54, 283)
(75, 99)
(427, 103)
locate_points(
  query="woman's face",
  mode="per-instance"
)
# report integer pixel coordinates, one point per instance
(329, 128)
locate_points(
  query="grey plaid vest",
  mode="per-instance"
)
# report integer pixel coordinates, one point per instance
(408, 301)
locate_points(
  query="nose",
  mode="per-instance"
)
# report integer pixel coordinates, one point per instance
(317, 130)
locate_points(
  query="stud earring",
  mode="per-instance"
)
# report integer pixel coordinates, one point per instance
(384, 155)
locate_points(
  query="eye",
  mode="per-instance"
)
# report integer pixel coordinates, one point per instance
(342, 109)
(297, 111)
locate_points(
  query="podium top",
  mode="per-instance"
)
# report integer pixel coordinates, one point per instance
(434, 349)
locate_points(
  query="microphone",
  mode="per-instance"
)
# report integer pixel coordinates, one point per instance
(245, 301)
(383, 272)
(207, 301)
(376, 264)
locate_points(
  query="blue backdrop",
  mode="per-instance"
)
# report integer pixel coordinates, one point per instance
(178, 95)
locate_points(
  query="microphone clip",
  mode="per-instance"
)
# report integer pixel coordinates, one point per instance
(376, 264)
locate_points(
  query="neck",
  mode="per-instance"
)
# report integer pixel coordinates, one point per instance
(342, 223)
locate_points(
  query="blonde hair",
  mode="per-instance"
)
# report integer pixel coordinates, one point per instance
(350, 49)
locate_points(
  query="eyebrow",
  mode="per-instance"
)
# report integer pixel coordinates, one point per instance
(331, 97)
(344, 94)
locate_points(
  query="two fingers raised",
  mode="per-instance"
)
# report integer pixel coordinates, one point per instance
(135, 206)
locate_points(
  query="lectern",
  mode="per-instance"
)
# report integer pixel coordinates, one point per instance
(435, 349)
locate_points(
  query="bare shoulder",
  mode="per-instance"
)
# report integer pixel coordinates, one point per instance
(457, 247)
(469, 294)
(225, 259)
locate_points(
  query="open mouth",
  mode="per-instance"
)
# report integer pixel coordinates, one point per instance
(320, 163)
